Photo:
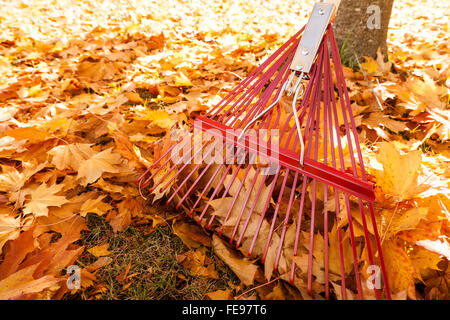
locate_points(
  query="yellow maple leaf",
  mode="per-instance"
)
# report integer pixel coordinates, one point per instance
(9, 228)
(43, 197)
(96, 206)
(159, 118)
(31, 134)
(401, 221)
(423, 259)
(400, 271)
(71, 155)
(370, 65)
(400, 171)
(10, 179)
(105, 161)
(181, 80)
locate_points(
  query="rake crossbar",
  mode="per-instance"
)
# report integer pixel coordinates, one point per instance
(289, 159)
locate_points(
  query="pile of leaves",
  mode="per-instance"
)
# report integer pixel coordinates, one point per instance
(89, 91)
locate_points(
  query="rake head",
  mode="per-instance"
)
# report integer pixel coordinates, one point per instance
(277, 169)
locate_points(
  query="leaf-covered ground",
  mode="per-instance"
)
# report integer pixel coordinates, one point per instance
(88, 90)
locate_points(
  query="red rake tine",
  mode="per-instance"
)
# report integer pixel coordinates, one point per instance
(258, 227)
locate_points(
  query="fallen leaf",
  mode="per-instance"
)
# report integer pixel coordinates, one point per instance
(105, 161)
(43, 197)
(219, 295)
(242, 267)
(191, 235)
(100, 250)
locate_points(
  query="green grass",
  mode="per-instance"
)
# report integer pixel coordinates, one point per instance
(158, 275)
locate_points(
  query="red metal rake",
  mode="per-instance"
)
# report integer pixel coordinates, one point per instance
(266, 176)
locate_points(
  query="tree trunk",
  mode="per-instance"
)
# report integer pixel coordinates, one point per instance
(361, 28)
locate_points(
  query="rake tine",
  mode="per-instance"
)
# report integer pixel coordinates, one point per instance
(313, 208)
(325, 242)
(326, 102)
(341, 249)
(311, 237)
(274, 218)
(208, 152)
(367, 238)
(286, 220)
(336, 199)
(235, 197)
(179, 170)
(207, 185)
(264, 211)
(297, 232)
(255, 201)
(380, 252)
(352, 239)
(244, 206)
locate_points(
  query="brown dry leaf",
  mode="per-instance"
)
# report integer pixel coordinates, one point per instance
(122, 277)
(338, 291)
(198, 263)
(20, 247)
(99, 263)
(100, 250)
(121, 219)
(23, 283)
(376, 119)
(191, 235)
(220, 295)
(242, 267)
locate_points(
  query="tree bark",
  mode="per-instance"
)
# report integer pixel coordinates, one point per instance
(361, 28)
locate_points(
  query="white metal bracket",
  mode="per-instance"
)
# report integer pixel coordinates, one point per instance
(312, 36)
